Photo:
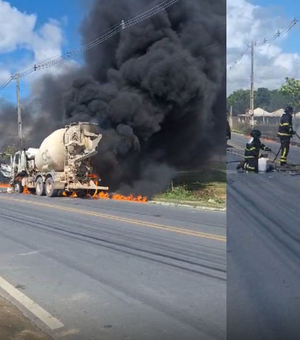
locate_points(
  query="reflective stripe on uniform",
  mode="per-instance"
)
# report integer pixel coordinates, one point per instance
(285, 134)
(251, 149)
(248, 167)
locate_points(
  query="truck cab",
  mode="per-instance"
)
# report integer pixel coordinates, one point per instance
(18, 163)
(5, 165)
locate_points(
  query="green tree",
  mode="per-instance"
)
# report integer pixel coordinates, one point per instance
(277, 101)
(239, 100)
(291, 90)
(262, 98)
(288, 94)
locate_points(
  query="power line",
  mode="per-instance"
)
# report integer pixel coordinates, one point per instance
(107, 34)
(265, 41)
(278, 33)
(270, 72)
(239, 57)
(6, 83)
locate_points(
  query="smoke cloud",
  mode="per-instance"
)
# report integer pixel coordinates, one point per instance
(156, 90)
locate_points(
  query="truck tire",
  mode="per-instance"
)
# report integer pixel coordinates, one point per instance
(81, 193)
(18, 188)
(60, 193)
(49, 188)
(40, 187)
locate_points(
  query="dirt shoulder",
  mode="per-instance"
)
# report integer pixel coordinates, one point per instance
(15, 326)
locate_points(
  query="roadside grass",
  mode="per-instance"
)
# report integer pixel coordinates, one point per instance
(202, 187)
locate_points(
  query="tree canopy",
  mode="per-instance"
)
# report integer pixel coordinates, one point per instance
(291, 90)
(269, 100)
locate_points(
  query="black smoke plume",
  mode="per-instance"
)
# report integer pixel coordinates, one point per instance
(157, 91)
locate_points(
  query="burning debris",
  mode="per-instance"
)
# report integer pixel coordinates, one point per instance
(6, 188)
(4, 185)
(157, 92)
(117, 197)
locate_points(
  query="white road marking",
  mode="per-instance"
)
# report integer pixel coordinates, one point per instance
(33, 307)
(30, 253)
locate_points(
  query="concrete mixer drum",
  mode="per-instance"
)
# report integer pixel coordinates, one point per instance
(81, 138)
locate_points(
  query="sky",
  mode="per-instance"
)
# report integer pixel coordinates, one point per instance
(33, 31)
(255, 20)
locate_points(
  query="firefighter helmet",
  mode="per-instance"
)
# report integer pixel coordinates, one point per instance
(255, 134)
(289, 110)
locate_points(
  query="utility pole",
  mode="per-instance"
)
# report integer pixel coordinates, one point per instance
(20, 128)
(252, 84)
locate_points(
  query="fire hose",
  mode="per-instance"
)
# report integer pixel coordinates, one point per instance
(276, 155)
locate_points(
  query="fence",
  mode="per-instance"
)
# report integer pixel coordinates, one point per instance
(267, 125)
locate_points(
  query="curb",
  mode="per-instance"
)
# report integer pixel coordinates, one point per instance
(199, 207)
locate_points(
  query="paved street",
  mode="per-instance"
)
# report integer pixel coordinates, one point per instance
(263, 244)
(115, 270)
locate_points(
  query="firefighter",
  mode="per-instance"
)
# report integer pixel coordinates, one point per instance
(252, 152)
(285, 133)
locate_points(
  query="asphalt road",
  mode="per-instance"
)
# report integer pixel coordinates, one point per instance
(116, 270)
(263, 252)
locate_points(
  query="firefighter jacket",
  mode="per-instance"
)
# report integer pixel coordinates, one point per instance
(285, 126)
(253, 148)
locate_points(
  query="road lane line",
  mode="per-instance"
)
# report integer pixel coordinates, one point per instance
(124, 219)
(33, 307)
(30, 253)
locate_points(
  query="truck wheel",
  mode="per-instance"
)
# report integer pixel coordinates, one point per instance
(40, 187)
(49, 188)
(60, 193)
(18, 188)
(81, 193)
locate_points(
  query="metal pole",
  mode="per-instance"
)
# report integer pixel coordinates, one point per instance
(252, 84)
(20, 128)
(230, 116)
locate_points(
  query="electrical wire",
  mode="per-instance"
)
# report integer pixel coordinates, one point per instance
(107, 34)
(6, 83)
(265, 41)
(270, 72)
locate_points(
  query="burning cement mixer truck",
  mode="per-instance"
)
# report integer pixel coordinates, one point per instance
(61, 165)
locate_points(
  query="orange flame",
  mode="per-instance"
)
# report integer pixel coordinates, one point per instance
(118, 197)
(4, 185)
(26, 191)
(103, 195)
(106, 196)
(129, 198)
(93, 176)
